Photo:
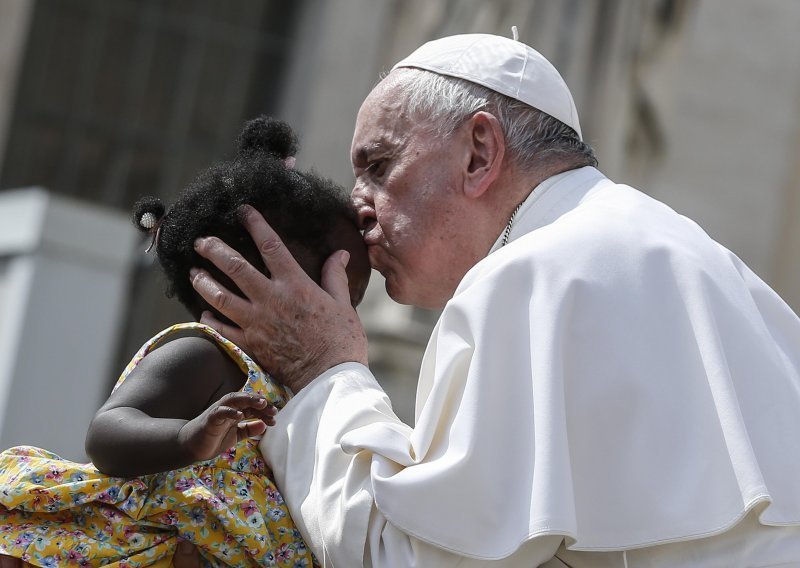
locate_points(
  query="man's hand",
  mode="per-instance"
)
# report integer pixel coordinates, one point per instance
(220, 426)
(294, 328)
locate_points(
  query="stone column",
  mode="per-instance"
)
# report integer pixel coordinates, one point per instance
(64, 269)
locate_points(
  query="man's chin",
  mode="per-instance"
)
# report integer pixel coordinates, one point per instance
(374, 253)
(403, 291)
(394, 291)
(401, 296)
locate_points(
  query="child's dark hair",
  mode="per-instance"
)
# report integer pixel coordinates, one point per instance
(302, 207)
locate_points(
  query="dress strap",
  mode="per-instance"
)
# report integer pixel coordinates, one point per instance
(257, 380)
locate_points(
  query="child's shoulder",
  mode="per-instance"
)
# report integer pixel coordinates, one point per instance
(198, 352)
(188, 347)
(189, 362)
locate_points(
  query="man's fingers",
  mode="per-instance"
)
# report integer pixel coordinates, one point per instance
(219, 297)
(231, 332)
(245, 276)
(276, 256)
(334, 276)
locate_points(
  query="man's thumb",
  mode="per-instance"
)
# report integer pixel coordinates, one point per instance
(334, 276)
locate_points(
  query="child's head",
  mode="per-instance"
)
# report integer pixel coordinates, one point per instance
(312, 215)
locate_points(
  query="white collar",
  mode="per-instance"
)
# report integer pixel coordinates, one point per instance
(542, 199)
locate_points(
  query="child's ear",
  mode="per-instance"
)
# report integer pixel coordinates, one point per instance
(484, 152)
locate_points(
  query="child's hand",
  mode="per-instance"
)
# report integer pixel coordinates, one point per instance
(221, 426)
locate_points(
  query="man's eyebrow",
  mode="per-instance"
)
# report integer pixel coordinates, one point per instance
(363, 152)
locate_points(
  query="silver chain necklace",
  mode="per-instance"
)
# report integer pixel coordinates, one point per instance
(507, 231)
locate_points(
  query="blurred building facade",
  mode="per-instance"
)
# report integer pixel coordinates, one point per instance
(693, 101)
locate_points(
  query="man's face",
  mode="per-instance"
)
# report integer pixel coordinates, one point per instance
(407, 197)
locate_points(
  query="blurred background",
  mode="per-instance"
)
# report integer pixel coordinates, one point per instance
(695, 102)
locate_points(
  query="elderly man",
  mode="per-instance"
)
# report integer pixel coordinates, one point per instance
(606, 385)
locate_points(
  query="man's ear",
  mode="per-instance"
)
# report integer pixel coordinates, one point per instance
(486, 147)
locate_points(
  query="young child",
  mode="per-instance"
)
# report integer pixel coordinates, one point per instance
(174, 447)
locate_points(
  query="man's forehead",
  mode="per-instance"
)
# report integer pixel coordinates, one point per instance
(379, 130)
(383, 124)
(384, 104)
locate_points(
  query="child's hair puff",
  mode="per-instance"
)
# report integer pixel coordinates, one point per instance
(266, 134)
(301, 207)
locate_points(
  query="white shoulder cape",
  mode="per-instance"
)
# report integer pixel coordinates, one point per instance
(612, 376)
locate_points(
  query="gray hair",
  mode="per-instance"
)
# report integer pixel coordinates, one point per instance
(533, 138)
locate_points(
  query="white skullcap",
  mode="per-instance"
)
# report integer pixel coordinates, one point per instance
(503, 65)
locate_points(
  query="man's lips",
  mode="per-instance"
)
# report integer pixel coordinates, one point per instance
(371, 237)
(375, 254)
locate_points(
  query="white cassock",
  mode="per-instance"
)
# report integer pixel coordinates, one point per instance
(612, 387)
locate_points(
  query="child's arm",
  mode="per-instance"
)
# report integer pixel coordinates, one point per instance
(178, 406)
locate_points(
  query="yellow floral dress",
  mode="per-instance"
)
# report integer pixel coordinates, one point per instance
(54, 512)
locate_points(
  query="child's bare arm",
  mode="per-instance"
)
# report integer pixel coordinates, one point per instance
(178, 406)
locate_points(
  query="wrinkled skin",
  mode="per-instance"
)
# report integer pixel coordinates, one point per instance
(407, 196)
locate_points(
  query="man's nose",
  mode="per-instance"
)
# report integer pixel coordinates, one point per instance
(364, 207)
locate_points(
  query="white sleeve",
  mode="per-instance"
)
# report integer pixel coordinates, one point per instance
(330, 443)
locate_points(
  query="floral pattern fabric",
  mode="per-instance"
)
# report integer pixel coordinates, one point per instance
(55, 512)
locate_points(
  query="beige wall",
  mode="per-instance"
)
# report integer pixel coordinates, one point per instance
(787, 270)
(732, 130)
